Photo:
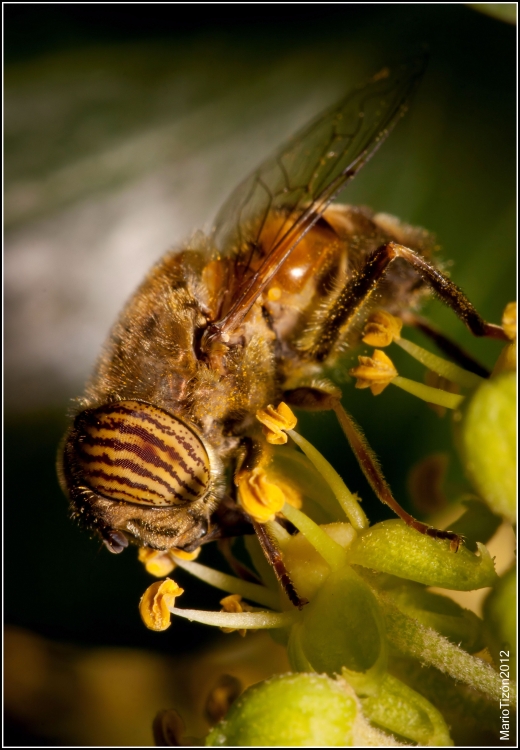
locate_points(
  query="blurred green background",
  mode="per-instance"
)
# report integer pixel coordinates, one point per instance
(125, 129)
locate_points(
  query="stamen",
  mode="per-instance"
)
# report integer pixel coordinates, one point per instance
(181, 554)
(156, 603)
(332, 552)
(437, 381)
(279, 534)
(346, 499)
(275, 422)
(378, 371)
(261, 499)
(441, 366)
(239, 620)
(156, 562)
(375, 372)
(160, 563)
(291, 494)
(252, 591)
(381, 329)
(429, 394)
(234, 603)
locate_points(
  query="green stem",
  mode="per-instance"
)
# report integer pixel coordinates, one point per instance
(420, 642)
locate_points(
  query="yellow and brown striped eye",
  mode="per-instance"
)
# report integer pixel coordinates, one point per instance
(133, 451)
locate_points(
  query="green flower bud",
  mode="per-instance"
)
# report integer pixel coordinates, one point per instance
(299, 710)
(310, 710)
(487, 442)
(392, 547)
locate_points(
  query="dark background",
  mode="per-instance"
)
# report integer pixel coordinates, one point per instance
(126, 127)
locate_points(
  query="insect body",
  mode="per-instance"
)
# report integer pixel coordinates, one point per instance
(241, 319)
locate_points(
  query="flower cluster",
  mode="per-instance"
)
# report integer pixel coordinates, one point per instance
(369, 619)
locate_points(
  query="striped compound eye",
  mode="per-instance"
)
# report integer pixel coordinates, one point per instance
(134, 451)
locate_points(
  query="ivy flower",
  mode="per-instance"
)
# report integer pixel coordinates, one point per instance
(369, 608)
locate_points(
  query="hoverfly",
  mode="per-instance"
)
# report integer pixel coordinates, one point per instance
(247, 317)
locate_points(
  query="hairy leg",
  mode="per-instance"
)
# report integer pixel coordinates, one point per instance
(360, 288)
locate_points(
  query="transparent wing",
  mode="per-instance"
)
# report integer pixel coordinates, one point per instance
(304, 176)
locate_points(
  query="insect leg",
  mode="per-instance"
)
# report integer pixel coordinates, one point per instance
(361, 287)
(314, 399)
(255, 454)
(275, 559)
(231, 522)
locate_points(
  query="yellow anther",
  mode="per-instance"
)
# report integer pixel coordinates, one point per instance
(183, 555)
(381, 329)
(234, 603)
(374, 372)
(509, 321)
(157, 562)
(290, 492)
(275, 422)
(161, 562)
(258, 497)
(155, 603)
